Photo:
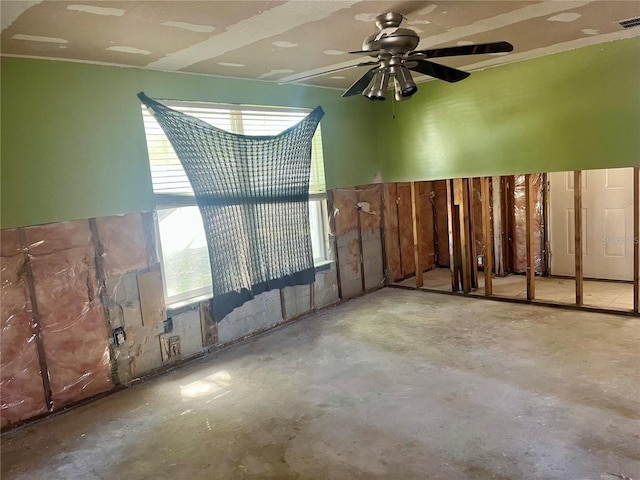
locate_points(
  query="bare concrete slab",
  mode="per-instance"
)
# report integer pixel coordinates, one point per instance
(394, 385)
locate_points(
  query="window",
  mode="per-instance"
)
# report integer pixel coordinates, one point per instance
(183, 246)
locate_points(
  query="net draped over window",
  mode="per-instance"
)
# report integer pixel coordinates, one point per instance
(253, 193)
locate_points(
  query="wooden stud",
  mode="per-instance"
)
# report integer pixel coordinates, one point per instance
(577, 205)
(461, 188)
(450, 224)
(509, 220)
(283, 304)
(397, 203)
(636, 239)
(383, 237)
(312, 296)
(497, 200)
(37, 323)
(545, 218)
(332, 227)
(531, 264)
(391, 234)
(487, 233)
(473, 250)
(360, 247)
(417, 234)
(101, 278)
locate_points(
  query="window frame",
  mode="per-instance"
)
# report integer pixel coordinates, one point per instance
(167, 201)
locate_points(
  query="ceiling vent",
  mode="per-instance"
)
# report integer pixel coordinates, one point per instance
(632, 22)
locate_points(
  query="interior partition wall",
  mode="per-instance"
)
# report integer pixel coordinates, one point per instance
(560, 238)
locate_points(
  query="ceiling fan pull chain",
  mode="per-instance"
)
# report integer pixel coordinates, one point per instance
(393, 108)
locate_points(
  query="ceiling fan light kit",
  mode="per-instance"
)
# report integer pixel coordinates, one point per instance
(393, 46)
(377, 89)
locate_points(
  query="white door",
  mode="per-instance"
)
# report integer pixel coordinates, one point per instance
(607, 223)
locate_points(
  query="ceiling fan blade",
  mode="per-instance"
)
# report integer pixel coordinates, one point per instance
(495, 47)
(436, 70)
(367, 52)
(358, 87)
(363, 64)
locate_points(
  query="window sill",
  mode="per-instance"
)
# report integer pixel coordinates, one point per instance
(183, 306)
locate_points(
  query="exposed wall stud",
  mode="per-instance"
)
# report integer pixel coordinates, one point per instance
(101, 278)
(397, 202)
(473, 249)
(461, 198)
(509, 222)
(37, 323)
(636, 239)
(283, 304)
(487, 233)
(497, 200)
(383, 236)
(531, 263)
(451, 221)
(332, 227)
(417, 234)
(360, 246)
(391, 234)
(577, 208)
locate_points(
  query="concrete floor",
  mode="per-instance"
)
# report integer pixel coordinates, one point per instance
(396, 385)
(601, 294)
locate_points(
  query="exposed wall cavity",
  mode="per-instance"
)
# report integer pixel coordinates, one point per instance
(83, 310)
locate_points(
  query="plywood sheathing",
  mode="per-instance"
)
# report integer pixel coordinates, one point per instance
(398, 227)
(20, 377)
(427, 226)
(345, 220)
(356, 218)
(405, 229)
(439, 206)
(391, 233)
(71, 313)
(370, 213)
(151, 294)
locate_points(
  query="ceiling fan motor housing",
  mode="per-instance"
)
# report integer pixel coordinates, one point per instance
(391, 37)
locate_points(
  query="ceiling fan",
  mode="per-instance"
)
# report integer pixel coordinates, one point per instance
(393, 46)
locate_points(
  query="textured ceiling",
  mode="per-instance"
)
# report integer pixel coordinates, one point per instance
(283, 40)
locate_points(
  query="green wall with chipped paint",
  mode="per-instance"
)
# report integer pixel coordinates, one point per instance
(568, 111)
(73, 142)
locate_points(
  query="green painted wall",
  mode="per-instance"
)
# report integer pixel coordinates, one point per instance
(573, 110)
(73, 143)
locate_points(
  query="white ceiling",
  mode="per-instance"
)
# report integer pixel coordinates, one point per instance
(283, 40)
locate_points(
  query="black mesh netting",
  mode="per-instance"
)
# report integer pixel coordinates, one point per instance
(253, 195)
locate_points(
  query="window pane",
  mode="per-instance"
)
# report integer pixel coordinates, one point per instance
(317, 230)
(184, 250)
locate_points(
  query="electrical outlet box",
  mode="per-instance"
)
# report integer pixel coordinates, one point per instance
(174, 346)
(119, 336)
(169, 347)
(480, 260)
